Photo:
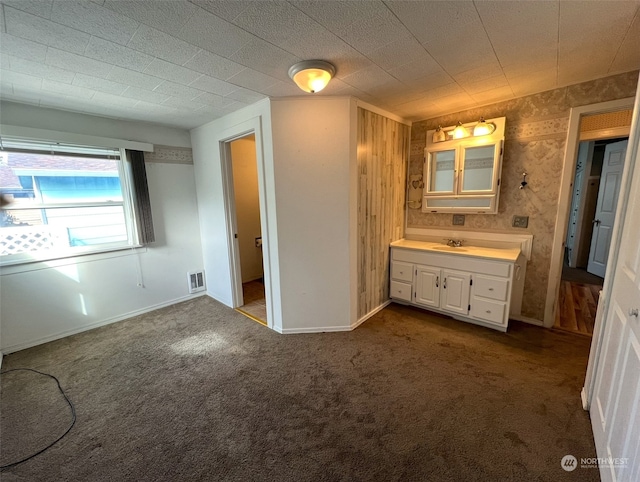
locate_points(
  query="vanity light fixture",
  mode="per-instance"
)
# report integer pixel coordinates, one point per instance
(312, 75)
(439, 135)
(483, 128)
(460, 131)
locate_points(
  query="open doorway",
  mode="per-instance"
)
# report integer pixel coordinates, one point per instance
(595, 191)
(245, 199)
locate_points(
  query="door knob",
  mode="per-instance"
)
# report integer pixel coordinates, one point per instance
(596, 222)
(633, 312)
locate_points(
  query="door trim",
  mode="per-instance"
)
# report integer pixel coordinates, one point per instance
(239, 131)
(231, 220)
(621, 211)
(564, 200)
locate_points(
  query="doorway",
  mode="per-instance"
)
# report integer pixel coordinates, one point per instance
(245, 200)
(595, 190)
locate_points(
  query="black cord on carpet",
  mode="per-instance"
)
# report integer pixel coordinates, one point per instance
(73, 416)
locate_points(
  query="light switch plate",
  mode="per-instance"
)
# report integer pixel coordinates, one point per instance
(520, 221)
(458, 219)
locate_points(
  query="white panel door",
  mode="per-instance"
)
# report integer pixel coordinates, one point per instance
(608, 193)
(455, 291)
(427, 286)
(615, 407)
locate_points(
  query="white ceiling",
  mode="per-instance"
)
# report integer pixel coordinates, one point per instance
(184, 63)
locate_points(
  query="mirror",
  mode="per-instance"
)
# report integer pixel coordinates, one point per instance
(463, 175)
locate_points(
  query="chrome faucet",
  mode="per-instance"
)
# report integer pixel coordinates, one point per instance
(454, 243)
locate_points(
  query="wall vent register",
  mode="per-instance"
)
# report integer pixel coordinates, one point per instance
(196, 281)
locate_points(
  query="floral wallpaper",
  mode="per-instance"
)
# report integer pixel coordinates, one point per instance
(536, 130)
(169, 155)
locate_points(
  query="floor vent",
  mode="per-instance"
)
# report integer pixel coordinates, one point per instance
(196, 281)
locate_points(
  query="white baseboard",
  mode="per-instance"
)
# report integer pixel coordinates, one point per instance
(315, 329)
(583, 397)
(22, 346)
(526, 319)
(327, 329)
(370, 314)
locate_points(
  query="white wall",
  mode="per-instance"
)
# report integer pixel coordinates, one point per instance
(247, 202)
(55, 299)
(206, 143)
(314, 157)
(34, 117)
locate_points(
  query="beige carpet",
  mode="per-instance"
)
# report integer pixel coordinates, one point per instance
(199, 392)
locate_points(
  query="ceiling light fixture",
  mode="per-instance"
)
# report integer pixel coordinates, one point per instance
(483, 128)
(312, 75)
(460, 131)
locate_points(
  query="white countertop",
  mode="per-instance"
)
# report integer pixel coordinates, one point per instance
(503, 254)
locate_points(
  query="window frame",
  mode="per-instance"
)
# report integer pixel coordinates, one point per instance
(128, 207)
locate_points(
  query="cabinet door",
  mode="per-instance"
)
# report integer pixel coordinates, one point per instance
(441, 172)
(455, 291)
(427, 286)
(479, 168)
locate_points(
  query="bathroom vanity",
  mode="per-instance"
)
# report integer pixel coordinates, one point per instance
(470, 283)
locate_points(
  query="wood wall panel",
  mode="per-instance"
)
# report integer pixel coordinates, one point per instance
(383, 153)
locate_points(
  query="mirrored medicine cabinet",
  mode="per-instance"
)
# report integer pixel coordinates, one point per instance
(462, 170)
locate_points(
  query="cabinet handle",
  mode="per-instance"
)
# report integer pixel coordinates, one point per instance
(488, 311)
(490, 289)
(444, 285)
(437, 280)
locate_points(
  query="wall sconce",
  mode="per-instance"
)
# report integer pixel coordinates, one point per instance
(524, 181)
(439, 135)
(483, 128)
(312, 75)
(460, 131)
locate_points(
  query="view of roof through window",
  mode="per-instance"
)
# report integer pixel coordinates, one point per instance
(59, 201)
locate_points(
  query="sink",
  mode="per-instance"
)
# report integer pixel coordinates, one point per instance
(451, 249)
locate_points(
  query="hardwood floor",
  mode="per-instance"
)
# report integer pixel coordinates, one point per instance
(577, 307)
(254, 301)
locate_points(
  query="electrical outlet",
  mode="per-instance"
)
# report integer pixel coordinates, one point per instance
(458, 219)
(520, 221)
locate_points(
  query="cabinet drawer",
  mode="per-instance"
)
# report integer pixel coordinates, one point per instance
(401, 271)
(492, 311)
(494, 288)
(400, 291)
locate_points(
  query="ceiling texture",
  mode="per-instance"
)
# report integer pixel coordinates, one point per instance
(184, 63)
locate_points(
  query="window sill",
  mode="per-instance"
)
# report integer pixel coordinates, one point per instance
(22, 266)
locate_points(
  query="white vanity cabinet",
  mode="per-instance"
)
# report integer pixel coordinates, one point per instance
(445, 289)
(461, 284)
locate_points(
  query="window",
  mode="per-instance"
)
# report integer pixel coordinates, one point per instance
(463, 175)
(63, 201)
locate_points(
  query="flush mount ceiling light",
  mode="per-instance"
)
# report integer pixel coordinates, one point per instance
(312, 75)
(483, 128)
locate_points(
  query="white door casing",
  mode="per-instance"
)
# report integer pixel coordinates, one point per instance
(564, 199)
(608, 194)
(615, 399)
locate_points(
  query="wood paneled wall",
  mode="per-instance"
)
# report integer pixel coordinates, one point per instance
(383, 153)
